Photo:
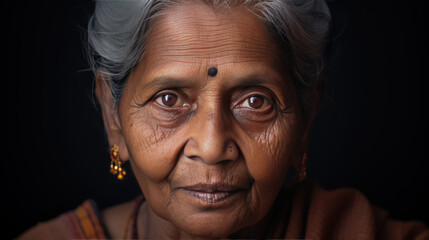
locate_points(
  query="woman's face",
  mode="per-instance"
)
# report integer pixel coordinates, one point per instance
(210, 153)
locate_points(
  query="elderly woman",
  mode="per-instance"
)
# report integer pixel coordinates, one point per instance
(211, 102)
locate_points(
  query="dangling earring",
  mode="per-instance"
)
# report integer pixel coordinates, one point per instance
(116, 163)
(303, 168)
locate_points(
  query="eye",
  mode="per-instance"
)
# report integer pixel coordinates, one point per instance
(256, 102)
(168, 99)
(257, 106)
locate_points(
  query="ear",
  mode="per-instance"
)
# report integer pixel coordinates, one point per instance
(110, 114)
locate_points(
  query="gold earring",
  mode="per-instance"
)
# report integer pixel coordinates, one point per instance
(116, 163)
(303, 168)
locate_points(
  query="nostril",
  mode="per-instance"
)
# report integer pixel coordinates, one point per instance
(232, 152)
(197, 149)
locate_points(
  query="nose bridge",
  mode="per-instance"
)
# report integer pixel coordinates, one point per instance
(212, 142)
(215, 121)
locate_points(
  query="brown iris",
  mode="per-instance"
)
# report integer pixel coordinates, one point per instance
(169, 99)
(256, 101)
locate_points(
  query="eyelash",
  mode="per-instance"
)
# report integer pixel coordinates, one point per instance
(176, 92)
(257, 92)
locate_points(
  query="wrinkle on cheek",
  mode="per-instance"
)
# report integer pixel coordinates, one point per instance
(282, 138)
(150, 145)
(151, 135)
(269, 140)
(150, 130)
(152, 159)
(272, 150)
(140, 132)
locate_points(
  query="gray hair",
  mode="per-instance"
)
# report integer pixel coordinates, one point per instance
(118, 29)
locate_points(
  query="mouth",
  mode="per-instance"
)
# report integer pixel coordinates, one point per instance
(211, 194)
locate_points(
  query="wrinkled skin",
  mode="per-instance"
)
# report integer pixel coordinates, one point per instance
(179, 127)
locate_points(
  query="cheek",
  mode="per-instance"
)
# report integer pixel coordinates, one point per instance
(152, 148)
(271, 151)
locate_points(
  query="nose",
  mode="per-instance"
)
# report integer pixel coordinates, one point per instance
(210, 138)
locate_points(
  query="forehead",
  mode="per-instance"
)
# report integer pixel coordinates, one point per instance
(197, 33)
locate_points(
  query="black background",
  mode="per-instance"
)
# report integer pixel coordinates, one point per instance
(370, 132)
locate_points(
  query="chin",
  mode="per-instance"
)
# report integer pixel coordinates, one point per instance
(210, 230)
(210, 225)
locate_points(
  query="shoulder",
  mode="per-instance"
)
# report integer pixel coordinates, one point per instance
(82, 223)
(116, 218)
(345, 212)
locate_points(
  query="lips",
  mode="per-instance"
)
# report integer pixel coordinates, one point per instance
(210, 198)
(211, 194)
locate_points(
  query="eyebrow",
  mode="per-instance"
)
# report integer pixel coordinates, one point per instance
(254, 80)
(168, 82)
(249, 81)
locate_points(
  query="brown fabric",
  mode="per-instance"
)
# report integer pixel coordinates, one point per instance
(305, 212)
(343, 214)
(82, 223)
